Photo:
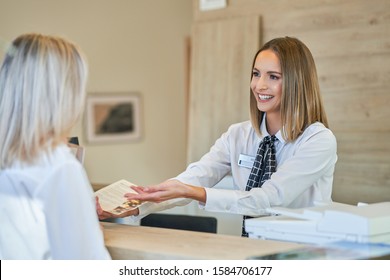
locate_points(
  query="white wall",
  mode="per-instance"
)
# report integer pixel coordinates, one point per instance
(132, 46)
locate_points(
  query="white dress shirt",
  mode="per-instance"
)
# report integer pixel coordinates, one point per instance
(47, 211)
(304, 172)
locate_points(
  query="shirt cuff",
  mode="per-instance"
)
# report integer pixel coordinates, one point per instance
(219, 200)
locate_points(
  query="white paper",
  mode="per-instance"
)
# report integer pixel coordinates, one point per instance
(206, 5)
(111, 198)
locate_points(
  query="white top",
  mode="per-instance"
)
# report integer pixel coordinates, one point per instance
(47, 211)
(304, 172)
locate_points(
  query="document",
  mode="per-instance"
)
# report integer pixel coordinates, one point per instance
(111, 197)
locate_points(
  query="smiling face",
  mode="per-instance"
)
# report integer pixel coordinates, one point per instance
(266, 83)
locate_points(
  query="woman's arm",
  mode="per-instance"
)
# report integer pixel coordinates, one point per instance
(179, 191)
(304, 175)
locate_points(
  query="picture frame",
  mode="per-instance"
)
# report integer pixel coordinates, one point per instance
(114, 117)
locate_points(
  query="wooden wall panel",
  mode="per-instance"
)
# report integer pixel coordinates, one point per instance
(350, 41)
(222, 53)
(366, 112)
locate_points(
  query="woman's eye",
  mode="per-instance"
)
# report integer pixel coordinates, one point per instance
(274, 77)
(255, 74)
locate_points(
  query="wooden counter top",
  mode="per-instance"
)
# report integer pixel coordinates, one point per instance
(148, 243)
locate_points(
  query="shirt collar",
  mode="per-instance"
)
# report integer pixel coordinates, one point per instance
(264, 132)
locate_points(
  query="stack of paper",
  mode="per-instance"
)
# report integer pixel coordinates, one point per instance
(326, 223)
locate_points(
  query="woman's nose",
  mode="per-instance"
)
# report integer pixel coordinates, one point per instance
(261, 84)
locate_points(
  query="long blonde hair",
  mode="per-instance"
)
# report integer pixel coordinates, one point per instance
(42, 93)
(301, 102)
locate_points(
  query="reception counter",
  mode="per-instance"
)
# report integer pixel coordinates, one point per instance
(148, 243)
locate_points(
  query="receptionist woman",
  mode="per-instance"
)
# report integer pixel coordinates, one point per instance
(287, 138)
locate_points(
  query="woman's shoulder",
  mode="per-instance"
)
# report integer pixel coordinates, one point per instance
(318, 129)
(241, 126)
(239, 132)
(59, 156)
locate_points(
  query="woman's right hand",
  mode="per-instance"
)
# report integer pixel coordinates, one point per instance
(102, 214)
(167, 190)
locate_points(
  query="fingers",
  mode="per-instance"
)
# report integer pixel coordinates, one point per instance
(139, 189)
(141, 193)
(147, 189)
(99, 209)
(102, 215)
(158, 196)
(133, 212)
(100, 212)
(156, 193)
(136, 196)
(105, 215)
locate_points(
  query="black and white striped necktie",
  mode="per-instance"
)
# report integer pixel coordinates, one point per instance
(262, 169)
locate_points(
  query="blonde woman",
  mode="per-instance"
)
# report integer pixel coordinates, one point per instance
(42, 92)
(285, 156)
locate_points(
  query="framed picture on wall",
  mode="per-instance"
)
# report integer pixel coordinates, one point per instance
(113, 118)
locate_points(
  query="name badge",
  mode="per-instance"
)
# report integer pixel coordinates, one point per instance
(246, 161)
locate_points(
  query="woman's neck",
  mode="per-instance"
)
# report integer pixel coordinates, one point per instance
(273, 122)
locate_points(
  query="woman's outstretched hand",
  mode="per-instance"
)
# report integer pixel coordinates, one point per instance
(167, 190)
